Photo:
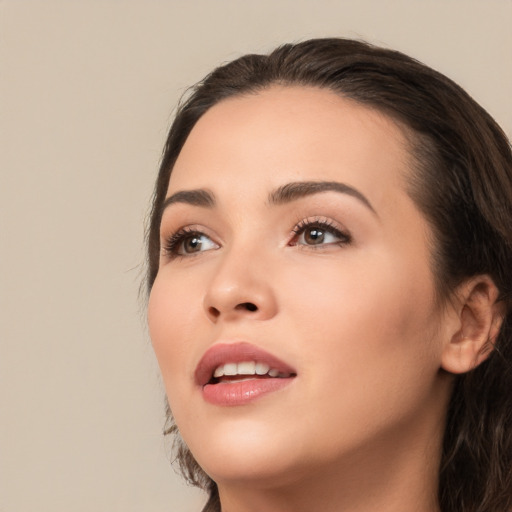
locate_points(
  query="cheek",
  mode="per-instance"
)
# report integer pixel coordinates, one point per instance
(369, 326)
(173, 322)
(361, 293)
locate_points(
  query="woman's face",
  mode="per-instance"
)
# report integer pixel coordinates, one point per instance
(290, 247)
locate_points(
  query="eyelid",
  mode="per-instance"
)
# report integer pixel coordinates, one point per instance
(169, 243)
(327, 224)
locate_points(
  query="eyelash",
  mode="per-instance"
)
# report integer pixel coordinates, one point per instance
(326, 226)
(174, 242)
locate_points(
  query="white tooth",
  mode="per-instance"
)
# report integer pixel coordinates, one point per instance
(219, 372)
(273, 372)
(242, 378)
(230, 369)
(262, 368)
(247, 368)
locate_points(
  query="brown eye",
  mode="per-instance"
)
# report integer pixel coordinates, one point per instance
(194, 243)
(189, 243)
(319, 234)
(314, 236)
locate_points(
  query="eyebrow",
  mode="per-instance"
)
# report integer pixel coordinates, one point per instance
(198, 197)
(282, 195)
(296, 190)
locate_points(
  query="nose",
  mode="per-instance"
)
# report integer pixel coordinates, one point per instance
(241, 287)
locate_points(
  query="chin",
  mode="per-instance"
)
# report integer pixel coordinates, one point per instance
(245, 452)
(263, 472)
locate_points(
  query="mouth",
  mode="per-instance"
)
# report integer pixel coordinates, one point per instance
(246, 370)
(239, 373)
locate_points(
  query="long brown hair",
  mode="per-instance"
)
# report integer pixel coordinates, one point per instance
(462, 183)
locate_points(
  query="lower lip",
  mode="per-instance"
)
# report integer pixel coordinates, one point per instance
(243, 392)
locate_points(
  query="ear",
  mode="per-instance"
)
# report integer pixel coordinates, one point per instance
(479, 318)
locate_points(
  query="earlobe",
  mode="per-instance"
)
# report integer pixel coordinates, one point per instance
(480, 316)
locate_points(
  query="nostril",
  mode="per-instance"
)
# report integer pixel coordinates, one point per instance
(214, 312)
(249, 306)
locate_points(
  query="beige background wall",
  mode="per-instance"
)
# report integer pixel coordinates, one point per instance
(86, 93)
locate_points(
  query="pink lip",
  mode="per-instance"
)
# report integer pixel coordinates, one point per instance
(239, 393)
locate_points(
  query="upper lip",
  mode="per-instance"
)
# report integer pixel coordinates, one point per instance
(222, 353)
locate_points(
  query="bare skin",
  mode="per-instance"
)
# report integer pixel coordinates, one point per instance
(334, 280)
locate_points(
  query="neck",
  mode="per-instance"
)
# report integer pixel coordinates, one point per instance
(400, 475)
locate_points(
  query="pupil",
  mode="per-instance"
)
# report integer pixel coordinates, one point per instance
(192, 244)
(314, 236)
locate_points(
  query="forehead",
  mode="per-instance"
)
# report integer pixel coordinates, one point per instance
(285, 134)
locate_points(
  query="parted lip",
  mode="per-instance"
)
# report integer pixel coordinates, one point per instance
(222, 353)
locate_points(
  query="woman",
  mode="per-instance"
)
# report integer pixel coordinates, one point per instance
(330, 259)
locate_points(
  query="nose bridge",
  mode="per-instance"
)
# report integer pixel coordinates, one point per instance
(241, 284)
